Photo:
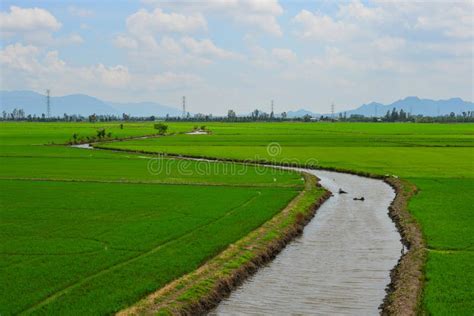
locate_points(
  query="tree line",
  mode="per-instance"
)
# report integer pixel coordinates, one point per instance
(255, 116)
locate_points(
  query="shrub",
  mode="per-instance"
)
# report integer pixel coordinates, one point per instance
(162, 128)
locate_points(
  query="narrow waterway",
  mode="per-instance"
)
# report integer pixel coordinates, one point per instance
(340, 265)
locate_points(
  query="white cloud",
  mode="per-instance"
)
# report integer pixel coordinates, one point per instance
(122, 41)
(150, 44)
(453, 21)
(261, 57)
(356, 19)
(206, 47)
(271, 7)
(360, 12)
(145, 22)
(21, 20)
(34, 26)
(20, 57)
(270, 59)
(35, 68)
(333, 58)
(169, 53)
(266, 23)
(150, 54)
(323, 27)
(388, 43)
(284, 54)
(256, 15)
(116, 76)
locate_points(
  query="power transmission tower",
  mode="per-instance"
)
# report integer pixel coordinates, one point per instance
(332, 111)
(48, 104)
(272, 113)
(184, 106)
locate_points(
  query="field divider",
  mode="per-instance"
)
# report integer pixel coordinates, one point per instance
(404, 293)
(202, 289)
(219, 184)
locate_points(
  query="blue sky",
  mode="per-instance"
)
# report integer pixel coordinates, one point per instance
(240, 54)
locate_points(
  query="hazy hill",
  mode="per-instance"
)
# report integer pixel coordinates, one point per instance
(413, 105)
(301, 113)
(416, 106)
(35, 103)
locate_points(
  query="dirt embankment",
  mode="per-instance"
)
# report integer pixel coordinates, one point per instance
(407, 278)
(201, 290)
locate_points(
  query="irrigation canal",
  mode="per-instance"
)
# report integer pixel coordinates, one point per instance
(340, 264)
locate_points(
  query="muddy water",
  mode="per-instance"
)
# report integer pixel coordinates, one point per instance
(83, 146)
(341, 263)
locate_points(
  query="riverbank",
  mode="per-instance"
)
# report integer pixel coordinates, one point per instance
(203, 289)
(340, 264)
(406, 279)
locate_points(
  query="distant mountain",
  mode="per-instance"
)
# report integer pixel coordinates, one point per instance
(301, 113)
(35, 103)
(415, 106)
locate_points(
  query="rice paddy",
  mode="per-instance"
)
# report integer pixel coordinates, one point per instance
(91, 232)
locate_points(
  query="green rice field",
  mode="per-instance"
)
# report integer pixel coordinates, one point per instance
(78, 225)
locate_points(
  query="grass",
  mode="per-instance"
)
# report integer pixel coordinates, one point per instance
(437, 158)
(201, 287)
(440, 296)
(91, 232)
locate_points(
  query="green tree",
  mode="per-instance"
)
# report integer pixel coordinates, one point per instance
(162, 128)
(101, 133)
(231, 115)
